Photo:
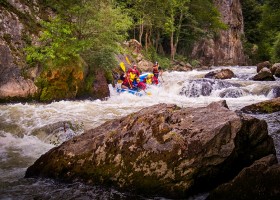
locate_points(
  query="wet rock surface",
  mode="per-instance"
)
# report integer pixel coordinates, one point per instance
(268, 106)
(163, 149)
(221, 74)
(259, 181)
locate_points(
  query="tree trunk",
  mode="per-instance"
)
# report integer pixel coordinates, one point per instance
(157, 41)
(178, 34)
(141, 31)
(172, 50)
(146, 40)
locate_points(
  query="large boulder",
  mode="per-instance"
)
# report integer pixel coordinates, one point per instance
(161, 149)
(220, 74)
(264, 75)
(265, 64)
(268, 106)
(259, 181)
(275, 70)
(17, 88)
(275, 67)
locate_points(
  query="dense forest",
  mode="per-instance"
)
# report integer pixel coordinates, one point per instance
(167, 29)
(93, 29)
(262, 29)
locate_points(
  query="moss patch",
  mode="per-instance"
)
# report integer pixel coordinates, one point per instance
(269, 106)
(63, 82)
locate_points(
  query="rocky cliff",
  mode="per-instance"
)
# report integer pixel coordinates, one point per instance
(226, 48)
(16, 25)
(19, 27)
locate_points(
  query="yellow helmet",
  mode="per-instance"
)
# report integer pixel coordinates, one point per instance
(150, 75)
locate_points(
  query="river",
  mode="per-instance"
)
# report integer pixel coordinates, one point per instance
(28, 130)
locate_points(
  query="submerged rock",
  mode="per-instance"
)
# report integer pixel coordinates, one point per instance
(268, 106)
(163, 149)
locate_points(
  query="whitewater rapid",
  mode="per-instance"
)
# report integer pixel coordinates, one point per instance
(22, 141)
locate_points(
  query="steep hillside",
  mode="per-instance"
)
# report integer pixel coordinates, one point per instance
(225, 48)
(18, 27)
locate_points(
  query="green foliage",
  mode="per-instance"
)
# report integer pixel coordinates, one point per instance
(92, 29)
(276, 50)
(168, 25)
(206, 15)
(57, 43)
(103, 32)
(262, 25)
(152, 55)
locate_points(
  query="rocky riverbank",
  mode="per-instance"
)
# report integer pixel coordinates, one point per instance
(163, 149)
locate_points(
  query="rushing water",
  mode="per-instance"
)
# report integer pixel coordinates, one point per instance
(29, 130)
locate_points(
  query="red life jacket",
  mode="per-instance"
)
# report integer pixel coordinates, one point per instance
(141, 85)
(155, 69)
(127, 83)
(155, 80)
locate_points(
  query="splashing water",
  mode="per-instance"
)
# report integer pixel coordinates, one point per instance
(29, 130)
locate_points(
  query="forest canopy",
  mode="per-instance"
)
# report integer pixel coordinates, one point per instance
(94, 29)
(262, 29)
(167, 29)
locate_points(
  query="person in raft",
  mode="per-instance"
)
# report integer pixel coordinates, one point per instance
(127, 82)
(139, 85)
(156, 70)
(136, 70)
(149, 79)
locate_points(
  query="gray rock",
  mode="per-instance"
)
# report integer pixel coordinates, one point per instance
(161, 149)
(264, 75)
(258, 181)
(221, 74)
(269, 106)
(275, 67)
(265, 64)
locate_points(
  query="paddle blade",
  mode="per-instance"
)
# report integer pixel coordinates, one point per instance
(127, 60)
(122, 66)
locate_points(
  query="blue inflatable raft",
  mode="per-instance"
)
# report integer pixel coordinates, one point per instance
(135, 92)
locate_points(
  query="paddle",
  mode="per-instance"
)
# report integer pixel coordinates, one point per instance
(127, 60)
(148, 93)
(122, 66)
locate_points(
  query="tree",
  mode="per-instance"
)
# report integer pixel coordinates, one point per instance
(92, 29)
(276, 49)
(262, 26)
(57, 44)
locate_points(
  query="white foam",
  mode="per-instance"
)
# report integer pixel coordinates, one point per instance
(93, 113)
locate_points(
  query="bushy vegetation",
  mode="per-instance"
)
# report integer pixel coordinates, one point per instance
(262, 29)
(94, 29)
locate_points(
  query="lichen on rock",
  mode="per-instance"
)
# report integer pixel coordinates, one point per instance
(162, 149)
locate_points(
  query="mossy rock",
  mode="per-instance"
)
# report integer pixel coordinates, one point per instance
(60, 82)
(269, 106)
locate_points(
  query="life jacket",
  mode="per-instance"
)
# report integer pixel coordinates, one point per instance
(148, 81)
(155, 80)
(141, 85)
(137, 72)
(132, 75)
(127, 83)
(155, 69)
